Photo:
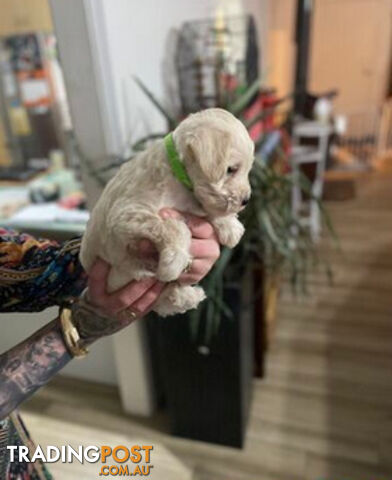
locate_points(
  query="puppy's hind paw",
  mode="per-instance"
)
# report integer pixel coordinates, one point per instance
(171, 264)
(179, 299)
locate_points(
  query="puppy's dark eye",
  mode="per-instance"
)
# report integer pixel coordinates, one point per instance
(232, 170)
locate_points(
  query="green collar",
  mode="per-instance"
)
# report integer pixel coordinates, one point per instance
(176, 165)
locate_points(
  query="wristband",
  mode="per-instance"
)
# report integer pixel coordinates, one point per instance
(71, 334)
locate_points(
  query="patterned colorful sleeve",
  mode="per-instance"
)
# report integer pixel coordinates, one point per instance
(37, 273)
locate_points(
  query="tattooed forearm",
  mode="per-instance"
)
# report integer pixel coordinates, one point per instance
(31, 364)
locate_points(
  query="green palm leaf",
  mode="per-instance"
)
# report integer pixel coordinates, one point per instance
(170, 119)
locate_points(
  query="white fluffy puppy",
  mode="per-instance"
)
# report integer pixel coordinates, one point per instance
(201, 168)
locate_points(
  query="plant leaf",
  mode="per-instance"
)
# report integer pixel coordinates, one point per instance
(242, 102)
(170, 119)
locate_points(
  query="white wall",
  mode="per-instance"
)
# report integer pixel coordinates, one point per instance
(136, 32)
(98, 366)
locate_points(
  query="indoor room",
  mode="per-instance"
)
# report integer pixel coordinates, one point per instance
(195, 239)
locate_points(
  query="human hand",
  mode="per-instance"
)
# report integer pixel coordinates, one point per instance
(116, 310)
(103, 313)
(204, 246)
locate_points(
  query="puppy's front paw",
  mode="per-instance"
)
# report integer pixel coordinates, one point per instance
(229, 231)
(171, 264)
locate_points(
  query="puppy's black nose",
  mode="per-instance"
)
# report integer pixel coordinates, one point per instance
(245, 201)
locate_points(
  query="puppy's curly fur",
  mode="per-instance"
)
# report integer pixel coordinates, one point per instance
(217, 153)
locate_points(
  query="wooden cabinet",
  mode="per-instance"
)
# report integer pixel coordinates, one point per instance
(351, 51)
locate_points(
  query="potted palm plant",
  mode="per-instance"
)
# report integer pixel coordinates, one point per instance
(204, 360)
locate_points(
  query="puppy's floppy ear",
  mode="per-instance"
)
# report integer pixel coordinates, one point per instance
(209, 148)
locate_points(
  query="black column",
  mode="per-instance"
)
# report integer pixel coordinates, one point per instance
(303, 30)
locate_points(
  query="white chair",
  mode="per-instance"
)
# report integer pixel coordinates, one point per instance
(306, 208)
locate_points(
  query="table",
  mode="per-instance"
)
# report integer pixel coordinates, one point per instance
(52, 229)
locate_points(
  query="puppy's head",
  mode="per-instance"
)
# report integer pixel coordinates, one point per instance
(218, 154)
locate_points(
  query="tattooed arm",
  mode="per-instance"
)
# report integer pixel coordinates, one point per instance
(32, 363)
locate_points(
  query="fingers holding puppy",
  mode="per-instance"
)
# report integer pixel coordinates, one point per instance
(198, 270)
(144, 304)
(204, 247)
(137, 295)
(199, 227)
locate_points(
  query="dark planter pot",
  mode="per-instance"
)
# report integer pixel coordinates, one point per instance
(207, 388)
